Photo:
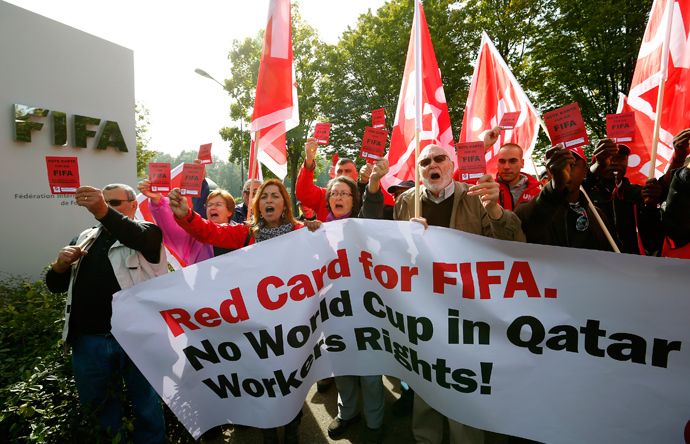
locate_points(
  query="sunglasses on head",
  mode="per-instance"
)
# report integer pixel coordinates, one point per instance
(438, 159)
(117, 202)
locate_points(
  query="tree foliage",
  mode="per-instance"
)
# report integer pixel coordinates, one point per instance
(144, 155)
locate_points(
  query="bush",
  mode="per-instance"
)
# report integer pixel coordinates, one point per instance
(38, 396)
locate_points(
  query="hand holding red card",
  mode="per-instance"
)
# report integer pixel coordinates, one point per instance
(63, 174)
(378, 118)
(192, 176)
(509, 120)
(205, 154)
(566, 126)
(373, 144)
(159, 176)
(321, 132)
(621, 127)
(471, 161)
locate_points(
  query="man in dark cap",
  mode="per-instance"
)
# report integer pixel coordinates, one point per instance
(630, 208)
(395, 191)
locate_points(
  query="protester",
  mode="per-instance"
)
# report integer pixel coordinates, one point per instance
(249, 191)
(395, 191)
(633, 218)
(219, 209)
(122, 252)
(515, 186)
(343, 201)
(473, 209)
(560, 215)
(271, 216)
(675, 213)
(313, 196)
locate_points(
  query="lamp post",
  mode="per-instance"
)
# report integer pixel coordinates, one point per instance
(203, 73)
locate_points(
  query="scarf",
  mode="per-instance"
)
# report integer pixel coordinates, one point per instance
(331, 217)
(269, 233)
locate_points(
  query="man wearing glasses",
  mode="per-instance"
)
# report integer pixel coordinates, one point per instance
(122, 252)
(560, 215)
(248, 193)
(473, 209)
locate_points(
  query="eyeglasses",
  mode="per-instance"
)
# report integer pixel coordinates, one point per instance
(117, 202)
(215, 205)
(582, 222)
(438, 159)
(344, 194)
(253, 192)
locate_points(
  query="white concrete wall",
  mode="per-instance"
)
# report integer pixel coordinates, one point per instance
(46, 64)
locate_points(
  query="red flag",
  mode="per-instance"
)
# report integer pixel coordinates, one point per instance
(431, 107)
(494, 91)
(275, 104)
(668, 27)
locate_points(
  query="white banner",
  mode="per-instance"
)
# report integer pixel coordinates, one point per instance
(554, 344)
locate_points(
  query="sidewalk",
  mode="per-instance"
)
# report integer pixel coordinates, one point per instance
(320, 409)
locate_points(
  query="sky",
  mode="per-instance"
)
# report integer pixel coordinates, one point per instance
(171, 39)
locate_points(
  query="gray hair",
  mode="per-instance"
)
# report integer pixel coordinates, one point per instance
(246, 184)
(131, 195)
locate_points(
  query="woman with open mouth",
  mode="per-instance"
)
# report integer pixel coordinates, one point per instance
(220, 207)
(343, 201)
(271, 216)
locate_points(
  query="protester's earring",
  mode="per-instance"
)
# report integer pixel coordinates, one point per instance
(261, 216)
(283, 215)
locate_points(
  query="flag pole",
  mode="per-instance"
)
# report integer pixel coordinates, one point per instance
(417, 105)
(663, 73)
(253, 171)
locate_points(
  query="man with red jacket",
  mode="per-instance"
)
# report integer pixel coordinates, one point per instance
(515, 187)
(314, 196)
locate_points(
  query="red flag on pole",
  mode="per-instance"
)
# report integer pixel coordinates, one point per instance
(494, 91)
(431, 107)
(664, 53)
(275, 104)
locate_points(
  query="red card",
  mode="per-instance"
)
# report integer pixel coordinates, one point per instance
(192, 176)
(159, 175)
(566, 126)
(471, 161)
(621, 127)
(205, 154)
(378, 118)
(63, 174)
(373, 144)
(321, 132)
(509, 120)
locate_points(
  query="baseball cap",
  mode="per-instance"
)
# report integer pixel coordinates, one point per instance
(577, 150)
(623, 149)
(405, 184)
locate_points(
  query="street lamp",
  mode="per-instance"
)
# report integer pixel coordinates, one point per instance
(203, 73)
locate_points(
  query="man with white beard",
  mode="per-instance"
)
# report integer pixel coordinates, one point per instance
(473, 209)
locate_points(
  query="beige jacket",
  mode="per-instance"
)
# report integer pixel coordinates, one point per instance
(468, 215)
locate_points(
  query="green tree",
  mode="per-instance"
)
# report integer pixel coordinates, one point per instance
(144, 156)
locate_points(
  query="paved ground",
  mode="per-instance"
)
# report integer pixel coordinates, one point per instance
(320, 409)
